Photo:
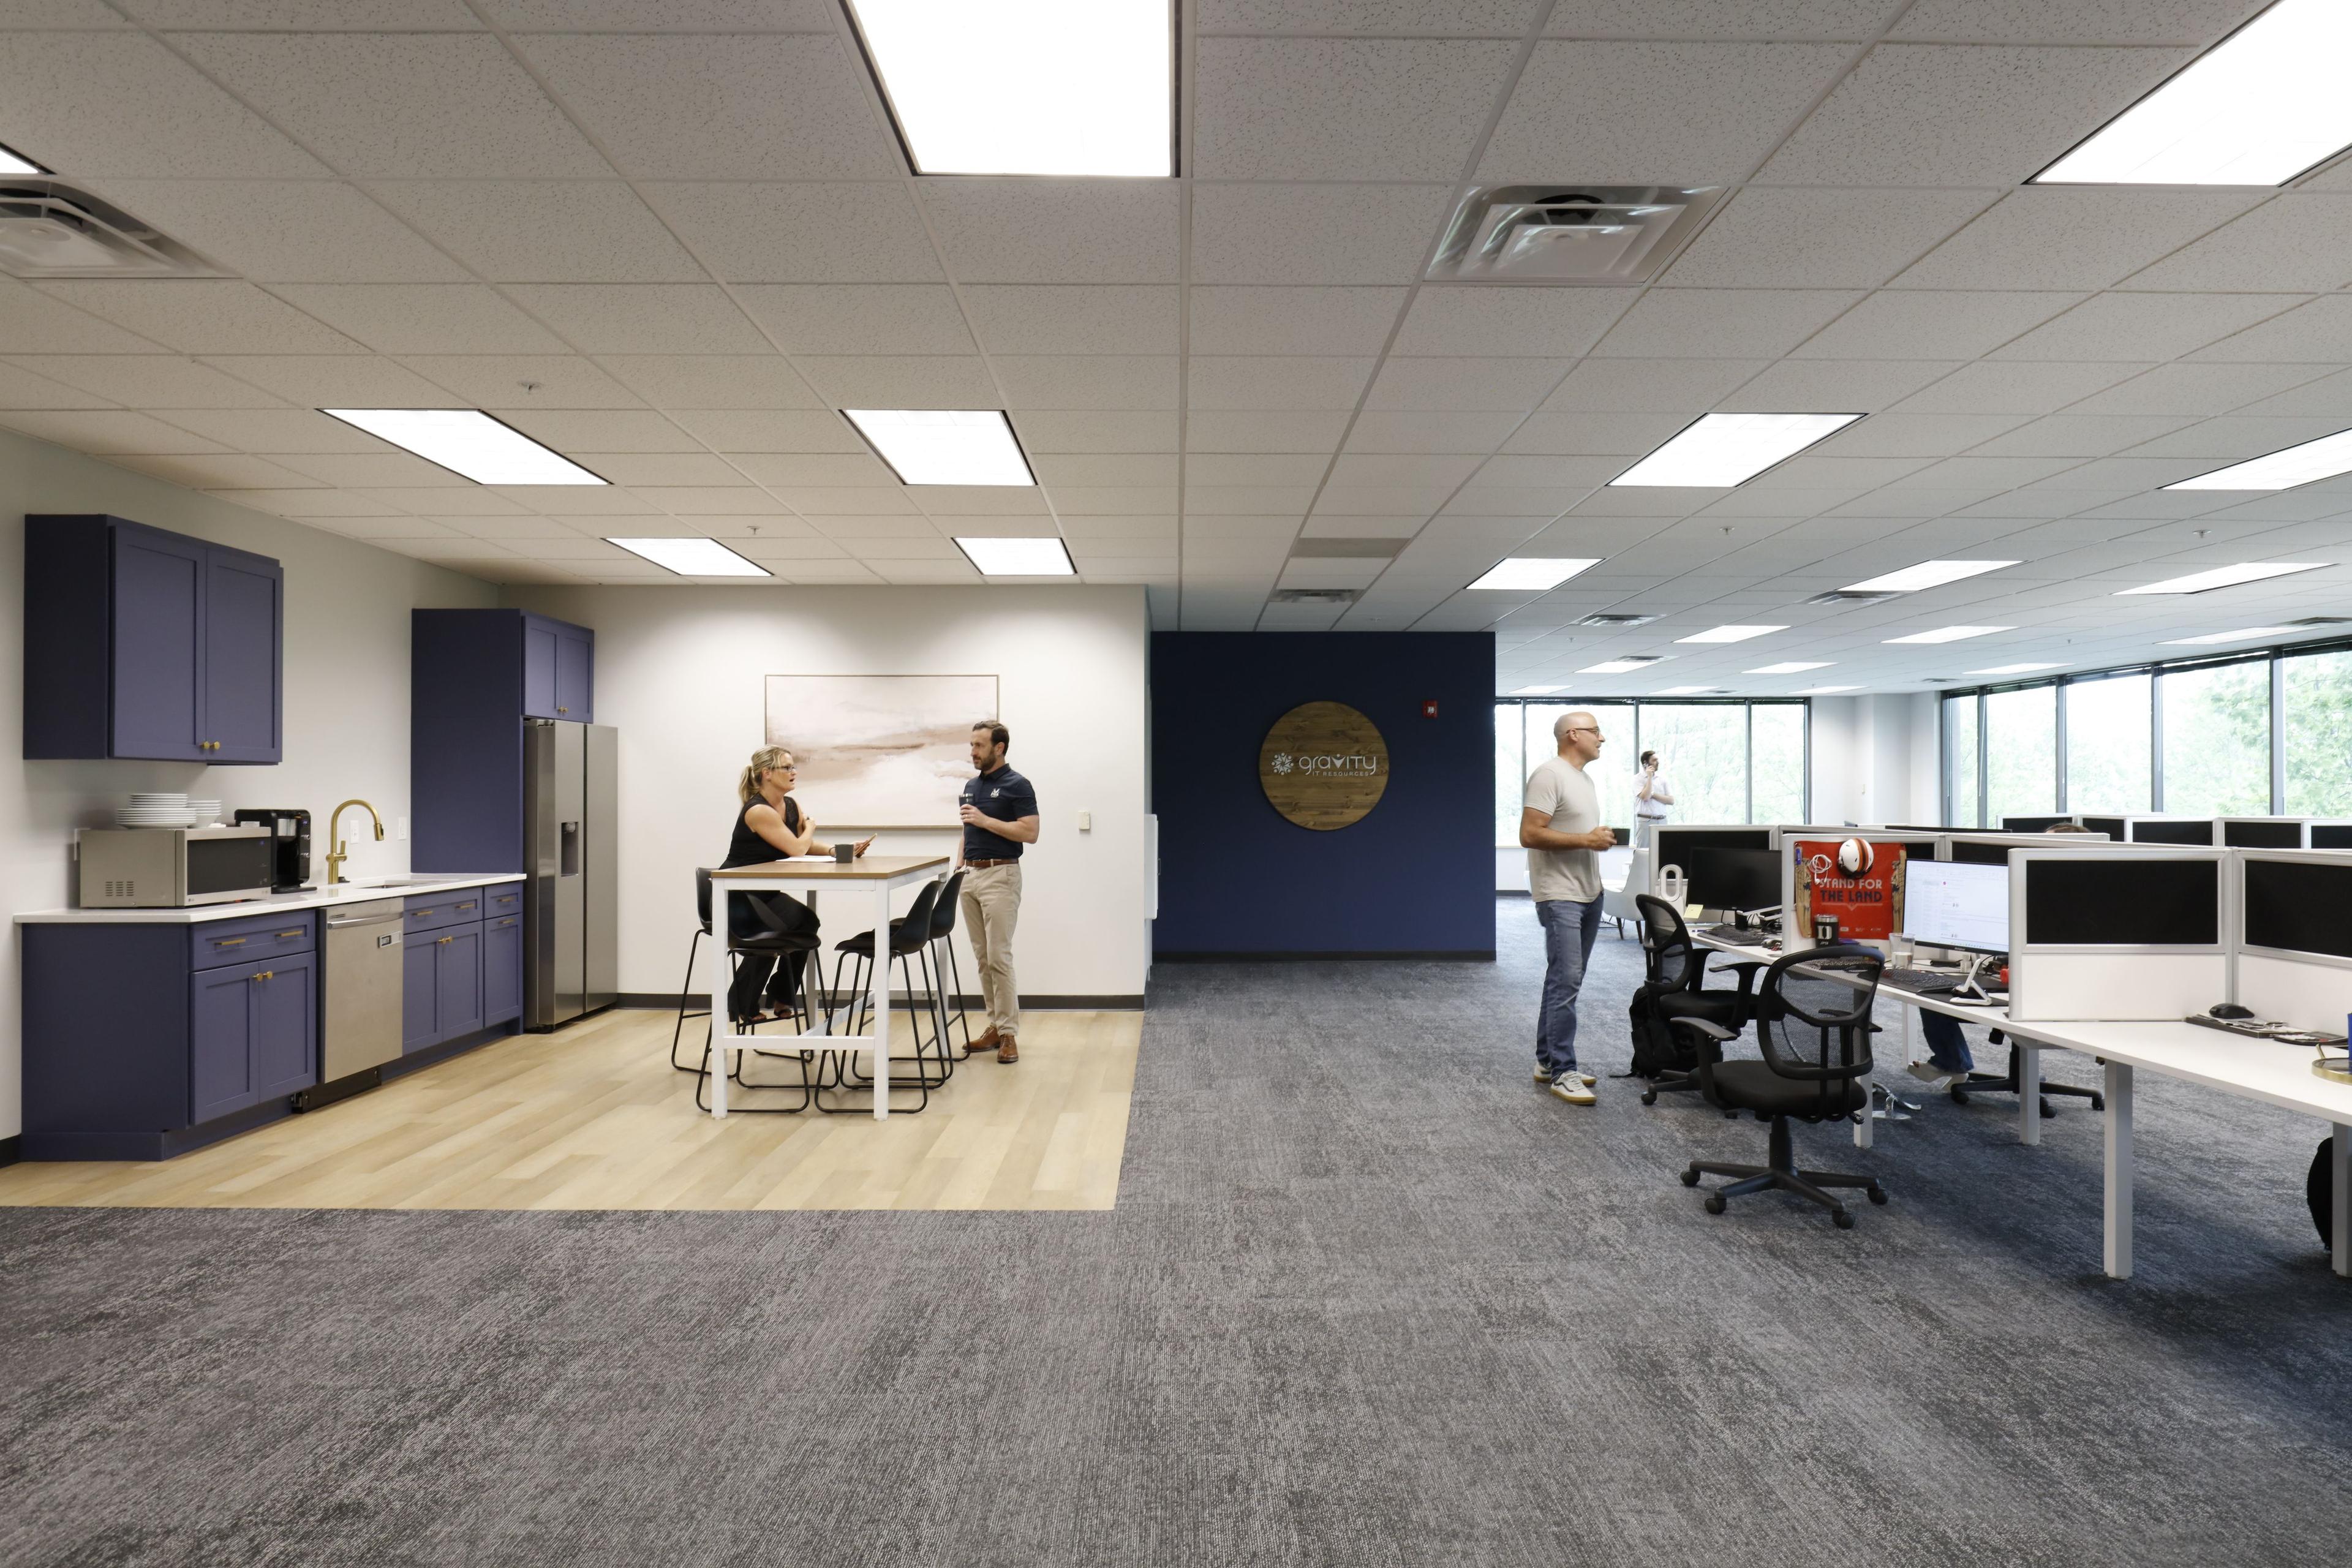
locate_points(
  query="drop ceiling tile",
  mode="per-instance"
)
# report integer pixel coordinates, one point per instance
(1112, 501)
(1314, 234)
(1316, 431)
(1379, 468)
(544, 231)
(366, 470)
(2121, 326)
(770, 430)
(1327, 525)
(92, 105)
(855, 526)
(912, 547)
(1577, 432)
(1916, 434)
(1098, 469)
(1096, 430)
(371, 525)
(1474, 431)
(107, 432)
(2194, 23)
(226, 470)
(640, 318)
(1833, 386)
(1287, 469)
(1216, 382)
(1923, 114)
(312, 505)
(860, 500)
(2068, 236)
(901, 380)
(2229, 438)
(1101, 532)
(1688, 386)
(1891, 324)
(848, 232)
(451, 502)
(858, 318)
(158, 381)
(1088, 381)
(805, 470)
(2076, 435)
(419, 318)
(712, 501)
(2314, 333)
(966, 502)
(400, 105)
(2297, 242)
(203, 315)
(1722, 323)
(540, 537)
(1330, 319)
(276, 430)
(654, 15)
(1335, 571)
(639, 469)
(1449, 384)
(20, 388)
(1527, 472)
(2160, 389)
(598, 430)
(1467, 319)
(1052, 231)
(1073, 319)
(32, 322)
(1371, 500)
(286, 231)
(524, 381)
(1795, 237)
(1341, 109)
(719, 107)
(1620, 112)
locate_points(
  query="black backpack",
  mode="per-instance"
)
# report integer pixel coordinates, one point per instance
(2320, 1193)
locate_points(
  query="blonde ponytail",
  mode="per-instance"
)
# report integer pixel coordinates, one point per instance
(763, 759)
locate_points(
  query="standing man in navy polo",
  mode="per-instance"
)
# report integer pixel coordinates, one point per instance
(1000, 814)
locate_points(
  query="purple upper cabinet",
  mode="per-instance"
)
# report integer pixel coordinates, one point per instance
(575, 673)
(538, 667)
(139, 643)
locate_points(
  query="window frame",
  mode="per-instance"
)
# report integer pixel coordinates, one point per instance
(1750, 704)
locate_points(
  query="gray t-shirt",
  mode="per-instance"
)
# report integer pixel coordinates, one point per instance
(1564, 794)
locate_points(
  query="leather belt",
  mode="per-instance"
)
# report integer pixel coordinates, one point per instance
(983, 865)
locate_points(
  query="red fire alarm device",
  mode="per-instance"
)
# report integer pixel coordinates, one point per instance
(1429, 710)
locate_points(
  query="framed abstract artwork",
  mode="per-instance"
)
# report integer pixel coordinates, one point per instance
(879, 751)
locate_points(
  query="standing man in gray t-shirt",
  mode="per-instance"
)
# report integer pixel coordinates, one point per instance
(1560, 826)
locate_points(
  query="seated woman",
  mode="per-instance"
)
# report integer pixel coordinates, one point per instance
(770, 826)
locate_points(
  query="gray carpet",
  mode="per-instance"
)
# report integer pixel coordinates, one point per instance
(1369, 1297)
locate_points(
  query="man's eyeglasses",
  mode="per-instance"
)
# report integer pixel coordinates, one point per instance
(1586, 730)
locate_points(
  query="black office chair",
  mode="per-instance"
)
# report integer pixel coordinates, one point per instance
(949, 973)
(910, 939)
(1674, 988)
(782, 944)
(1997, 1083)
(1813, 1020)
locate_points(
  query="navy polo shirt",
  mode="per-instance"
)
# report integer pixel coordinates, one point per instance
(1006, 796)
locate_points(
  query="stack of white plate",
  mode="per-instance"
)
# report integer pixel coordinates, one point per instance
(204, 812)
(156, 810)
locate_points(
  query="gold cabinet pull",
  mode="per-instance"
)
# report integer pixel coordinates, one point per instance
(296, 931)
(265, 974)
(467, 905)
(444, 941)
(418, 914)
(228, 941)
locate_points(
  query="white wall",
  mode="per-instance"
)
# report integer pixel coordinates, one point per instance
(1875, 759)
(346, 704)
(681, 672)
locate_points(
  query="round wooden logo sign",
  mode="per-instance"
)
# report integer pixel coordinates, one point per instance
(1323, 766)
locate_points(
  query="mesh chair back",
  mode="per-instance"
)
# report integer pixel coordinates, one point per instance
(1812, 1014)
(702, 896)
(1674, 960)
(943, 913)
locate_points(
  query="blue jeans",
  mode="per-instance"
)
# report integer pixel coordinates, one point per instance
(1948, 1047)
(1569, 930)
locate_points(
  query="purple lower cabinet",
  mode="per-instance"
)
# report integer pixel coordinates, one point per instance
(220, 1032)
(420, 1024)
(457, 981)
(501, 969)
(284, 1045)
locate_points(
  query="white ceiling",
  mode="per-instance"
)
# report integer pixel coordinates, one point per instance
(670, 238)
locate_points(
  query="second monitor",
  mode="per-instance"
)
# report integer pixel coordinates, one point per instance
(1735, 878)
(1958, 904)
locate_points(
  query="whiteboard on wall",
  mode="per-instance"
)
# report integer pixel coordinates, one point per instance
(879, 751)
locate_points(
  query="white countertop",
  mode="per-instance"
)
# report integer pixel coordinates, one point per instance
(277, 903)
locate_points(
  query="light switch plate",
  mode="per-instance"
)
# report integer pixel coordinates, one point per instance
(1085, 822)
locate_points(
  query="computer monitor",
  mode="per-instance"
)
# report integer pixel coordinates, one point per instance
(2172, 830)
(2031, 824)
(1677, 845)
(1957, 903)
(2254, 833)
(2298, 906)
(2123, 901)
(1735, 878)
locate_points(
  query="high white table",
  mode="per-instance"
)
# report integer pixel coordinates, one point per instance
(2250, 1068)
(879, 876)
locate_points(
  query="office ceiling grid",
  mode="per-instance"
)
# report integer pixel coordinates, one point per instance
(672, 239)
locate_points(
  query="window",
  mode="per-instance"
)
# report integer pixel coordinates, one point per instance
(2317, 729)
(2217, 740)
(1511, 772)
(1703, 752)
(2021, 753)
(2107, 744)
(1776, 764)
(1705, 749)
(1960, 762)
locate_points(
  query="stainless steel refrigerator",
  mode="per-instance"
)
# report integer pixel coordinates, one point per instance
(571, 825)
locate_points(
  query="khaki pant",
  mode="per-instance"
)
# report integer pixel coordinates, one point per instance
(992, 905)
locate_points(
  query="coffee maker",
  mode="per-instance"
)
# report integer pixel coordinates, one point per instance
(289, 845)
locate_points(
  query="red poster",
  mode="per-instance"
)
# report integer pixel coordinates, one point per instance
(1867, 900)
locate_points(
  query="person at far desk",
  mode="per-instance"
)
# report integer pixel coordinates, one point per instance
(1949, 1060)
(1000, 814)
(771, 825)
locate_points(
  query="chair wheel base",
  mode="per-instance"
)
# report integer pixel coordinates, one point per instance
(1877, 1196)
(1690, 1177)
(1716, 1203)
(1841, 1219)
(1649, 1097)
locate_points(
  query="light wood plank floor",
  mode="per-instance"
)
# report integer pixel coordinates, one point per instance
(591, 1117)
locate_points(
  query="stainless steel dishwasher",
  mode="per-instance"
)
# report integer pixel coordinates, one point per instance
(360, 1000)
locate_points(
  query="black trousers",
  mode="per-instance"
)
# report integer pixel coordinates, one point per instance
(758, 974)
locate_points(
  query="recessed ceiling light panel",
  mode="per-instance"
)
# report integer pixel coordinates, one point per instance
(15, 162)
(2011, 670)
(1951, 634)
(1620, 666)
(2225, 577)
(1795, 667)
(1717, 451)
(1538, 690)
(1927, 575)
(1531, 573)
(1041, 87)
(1042, 557)
(2240, 634)
(1826, 690)
(1730, 634)
(2257, 108)
(693, 557)
(2307, 463)
(944, 446)
(469, 442)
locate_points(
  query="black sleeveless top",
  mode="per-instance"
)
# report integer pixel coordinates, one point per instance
(747, 847)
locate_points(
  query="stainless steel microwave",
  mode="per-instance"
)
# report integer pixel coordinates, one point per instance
(171, 868)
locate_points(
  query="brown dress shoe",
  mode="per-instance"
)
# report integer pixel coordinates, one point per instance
(1006, 1051)
(985, 1042)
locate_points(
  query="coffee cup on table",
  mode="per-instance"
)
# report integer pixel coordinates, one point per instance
(845, 853)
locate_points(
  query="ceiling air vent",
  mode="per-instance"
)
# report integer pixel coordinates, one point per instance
(1616, 619)
(2322, 621)
(1314, 596)
(1569, 234)
(1847, 596)
(52, 230)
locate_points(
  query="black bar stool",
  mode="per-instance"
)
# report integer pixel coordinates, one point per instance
(910, 939)
(783, 945)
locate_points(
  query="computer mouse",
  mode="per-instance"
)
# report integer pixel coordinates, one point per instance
(2229, 1010)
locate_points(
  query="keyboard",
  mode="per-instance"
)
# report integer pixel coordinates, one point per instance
(2264, 1029)
(1922, 982)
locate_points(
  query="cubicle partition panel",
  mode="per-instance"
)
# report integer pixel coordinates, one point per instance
(2328, 833)
(1794, 857)
(2034, 824)
(2262, 832)
(1990, 848)
(2188, 830)
(2117, 934)
(2293, 934)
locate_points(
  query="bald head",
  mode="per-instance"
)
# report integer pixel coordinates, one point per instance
(1578, 733)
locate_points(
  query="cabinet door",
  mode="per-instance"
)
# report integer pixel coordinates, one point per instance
(284, 1027)
(501, 969)
(159, 646)
(575, 674)
(243, 616)
(539, 663)
(419, 1012)
(457, 981)
(220, 1025)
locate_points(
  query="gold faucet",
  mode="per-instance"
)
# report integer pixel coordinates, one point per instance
(337, 855)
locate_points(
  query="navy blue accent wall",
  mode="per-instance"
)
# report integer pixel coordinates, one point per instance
(1415, 876)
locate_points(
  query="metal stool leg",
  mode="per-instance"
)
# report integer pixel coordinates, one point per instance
(685, 991)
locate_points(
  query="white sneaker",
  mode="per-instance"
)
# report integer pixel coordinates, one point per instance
(1933, 1076)
(1543, 1075)
(1573, 1090)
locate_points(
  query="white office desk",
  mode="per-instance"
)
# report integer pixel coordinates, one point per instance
(2251, 1070)
(879, 876)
